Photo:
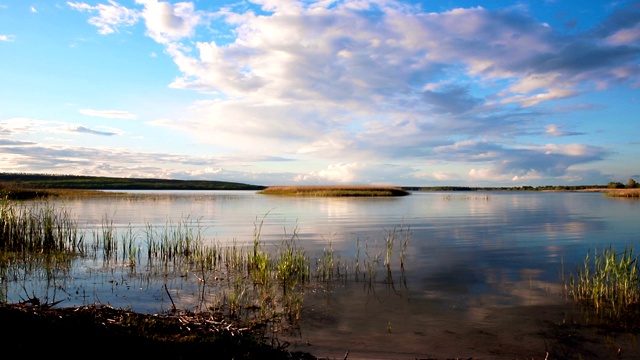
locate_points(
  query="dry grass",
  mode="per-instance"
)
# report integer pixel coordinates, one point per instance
(630, 193)
(336, 190)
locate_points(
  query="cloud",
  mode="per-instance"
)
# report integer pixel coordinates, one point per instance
(110, 17)
(356, 173)
(502, 163)
(22, 126)
(106, 161)
(30, 127)
(83, 129)
(352, 85)
(7, 38)
(169, 22)
(555, 131)
(453, 100)
(109, 114)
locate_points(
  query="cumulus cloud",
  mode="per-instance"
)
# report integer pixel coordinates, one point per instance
(169, 22)
(109, 17)
(501, 163)
(344, 82)
(356, 173)
(7, 38)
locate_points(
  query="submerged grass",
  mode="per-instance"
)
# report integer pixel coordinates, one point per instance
(335, 191)
(251, 284)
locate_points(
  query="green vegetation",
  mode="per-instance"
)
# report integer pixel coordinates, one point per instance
(252, 287)
(631, 184)
(44, 181)
(335, 191)
(609, 282)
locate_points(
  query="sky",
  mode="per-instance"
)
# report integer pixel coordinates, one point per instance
(284, 92)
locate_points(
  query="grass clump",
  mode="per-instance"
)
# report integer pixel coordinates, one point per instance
(628, 193)
(609, 282)
(335, 191)
(253, 285)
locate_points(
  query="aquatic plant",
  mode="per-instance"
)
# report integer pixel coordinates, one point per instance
(39, 227)
(608, 281)
(251, 282)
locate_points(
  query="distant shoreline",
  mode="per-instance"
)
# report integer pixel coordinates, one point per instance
(42, 182)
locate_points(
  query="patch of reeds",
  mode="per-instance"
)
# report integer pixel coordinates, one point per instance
(335, 191)
(608, 281)
(252, 283)
(15, 192)
(627, 193)
(38, 228)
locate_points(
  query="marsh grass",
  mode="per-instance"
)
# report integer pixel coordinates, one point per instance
(335, 191)
(627, 193)
(38, 228)
(609, 282)
(250, 283)
(10, 191)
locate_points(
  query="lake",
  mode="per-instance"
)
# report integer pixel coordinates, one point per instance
(480, 269)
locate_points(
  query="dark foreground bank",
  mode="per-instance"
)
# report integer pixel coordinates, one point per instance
(104, 332)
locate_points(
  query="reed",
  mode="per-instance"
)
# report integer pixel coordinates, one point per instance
(627, 193)
(253, 282)
(608, 281)
(37, 228)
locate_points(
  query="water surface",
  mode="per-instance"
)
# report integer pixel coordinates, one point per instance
(471, 257)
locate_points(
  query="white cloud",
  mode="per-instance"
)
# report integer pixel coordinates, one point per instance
(356, 173)
(328, 82)
(7, 37)
(535, 99)
(166, 22)
(17, 126)
(109, 114)
(110, 17)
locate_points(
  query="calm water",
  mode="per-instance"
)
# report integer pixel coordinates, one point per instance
(469, 254)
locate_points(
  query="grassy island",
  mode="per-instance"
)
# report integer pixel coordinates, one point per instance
(335, 191)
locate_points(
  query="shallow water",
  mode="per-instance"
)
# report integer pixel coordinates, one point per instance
(471, 256)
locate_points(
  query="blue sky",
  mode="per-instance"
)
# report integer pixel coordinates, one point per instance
(270, 92)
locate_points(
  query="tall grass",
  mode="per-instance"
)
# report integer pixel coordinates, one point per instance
(252, 282)
(608, 281)
(627, 193)
(38, 228)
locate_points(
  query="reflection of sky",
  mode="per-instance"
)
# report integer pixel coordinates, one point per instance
(463, 245)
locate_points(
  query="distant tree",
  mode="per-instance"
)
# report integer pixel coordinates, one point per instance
(632, 184)
(615, 185)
